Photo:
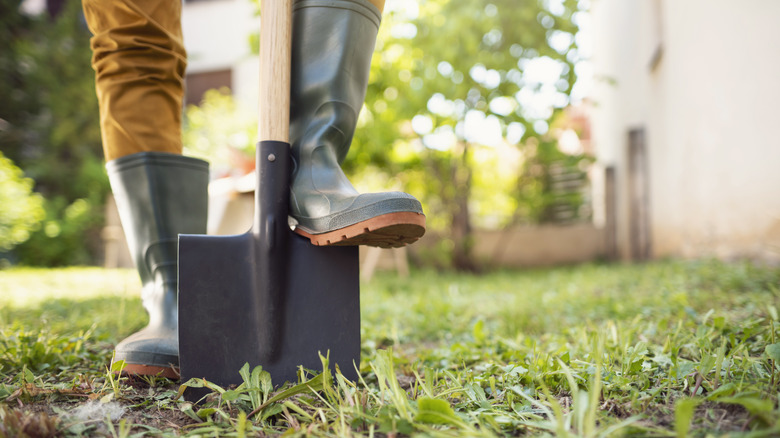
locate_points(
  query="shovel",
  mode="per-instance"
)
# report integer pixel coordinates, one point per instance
(267, 297)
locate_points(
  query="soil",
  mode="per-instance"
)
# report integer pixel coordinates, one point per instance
(54, 413)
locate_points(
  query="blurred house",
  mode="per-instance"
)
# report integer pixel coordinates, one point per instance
(219, 54)
(217, 38)
(686, 120)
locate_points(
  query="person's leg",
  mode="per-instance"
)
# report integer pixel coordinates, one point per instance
(333, 42)
(159, 196)
(380, 4)
(139, 63)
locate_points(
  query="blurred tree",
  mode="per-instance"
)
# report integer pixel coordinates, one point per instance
(22, 209)
(16, 106)
(452, 76)
(49, 127)
(221, 131)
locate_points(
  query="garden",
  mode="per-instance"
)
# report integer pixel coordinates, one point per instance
(670, 348)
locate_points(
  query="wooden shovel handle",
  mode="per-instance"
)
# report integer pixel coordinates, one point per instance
(275, 56)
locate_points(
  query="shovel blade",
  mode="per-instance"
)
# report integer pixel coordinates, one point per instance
(223, 323)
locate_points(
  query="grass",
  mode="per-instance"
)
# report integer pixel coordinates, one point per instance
(664, 349)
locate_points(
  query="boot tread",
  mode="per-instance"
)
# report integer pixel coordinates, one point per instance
(392, 230)
(133, 369)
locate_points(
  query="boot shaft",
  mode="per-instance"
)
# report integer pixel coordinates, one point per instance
(333, 42)
(332, 45)
(159, 196)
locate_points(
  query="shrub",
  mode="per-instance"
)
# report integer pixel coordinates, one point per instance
(22, 209)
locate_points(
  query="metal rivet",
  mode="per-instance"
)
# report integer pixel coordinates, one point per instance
(271, 157)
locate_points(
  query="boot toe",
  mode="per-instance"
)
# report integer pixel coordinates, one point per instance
(371, 205)
(387, 220)
(151, 348)
(362, 208)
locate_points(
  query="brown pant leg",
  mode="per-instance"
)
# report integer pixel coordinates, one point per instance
(139, 61)
(380, 4)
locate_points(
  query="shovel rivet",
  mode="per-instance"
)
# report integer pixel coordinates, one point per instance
(271, 157)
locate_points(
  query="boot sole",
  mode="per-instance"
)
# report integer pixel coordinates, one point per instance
(151, 370)
(392, 230)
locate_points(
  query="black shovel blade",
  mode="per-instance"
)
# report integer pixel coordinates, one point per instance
(230, 315)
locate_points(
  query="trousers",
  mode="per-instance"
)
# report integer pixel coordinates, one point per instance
(139, 60)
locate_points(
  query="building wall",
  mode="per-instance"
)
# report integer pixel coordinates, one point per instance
(537, 246)
(216, 36)
(701, 77)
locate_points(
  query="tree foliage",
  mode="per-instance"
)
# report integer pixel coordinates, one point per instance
(453, 77)
(49, 127)
(22, 209)
(221, 131)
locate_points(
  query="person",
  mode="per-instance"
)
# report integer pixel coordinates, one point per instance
(139, 61)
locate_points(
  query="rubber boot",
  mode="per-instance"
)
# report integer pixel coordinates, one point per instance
(159, 196)
(333, 41)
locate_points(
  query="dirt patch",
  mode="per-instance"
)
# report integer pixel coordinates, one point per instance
(723, 417)
(709, 415)
(144, 407)
(161, 419)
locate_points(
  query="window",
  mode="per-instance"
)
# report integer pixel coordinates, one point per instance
(198, 83)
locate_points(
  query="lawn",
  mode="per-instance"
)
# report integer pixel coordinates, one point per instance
(670, 348)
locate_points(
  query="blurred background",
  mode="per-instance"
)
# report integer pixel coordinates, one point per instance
(535, 132)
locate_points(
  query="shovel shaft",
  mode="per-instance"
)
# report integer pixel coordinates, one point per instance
(275, 43)
(271, 197)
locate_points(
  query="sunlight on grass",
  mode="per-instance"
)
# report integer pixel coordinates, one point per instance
(65, 301)
(26, 287)
(662, 349)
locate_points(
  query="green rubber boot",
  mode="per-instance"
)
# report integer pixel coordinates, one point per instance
(333, 41)
(159, 196)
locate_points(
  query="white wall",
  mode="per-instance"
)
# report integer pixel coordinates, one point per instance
(711, 110)
(216, 36)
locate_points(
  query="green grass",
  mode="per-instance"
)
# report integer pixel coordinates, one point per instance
(664, 349)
